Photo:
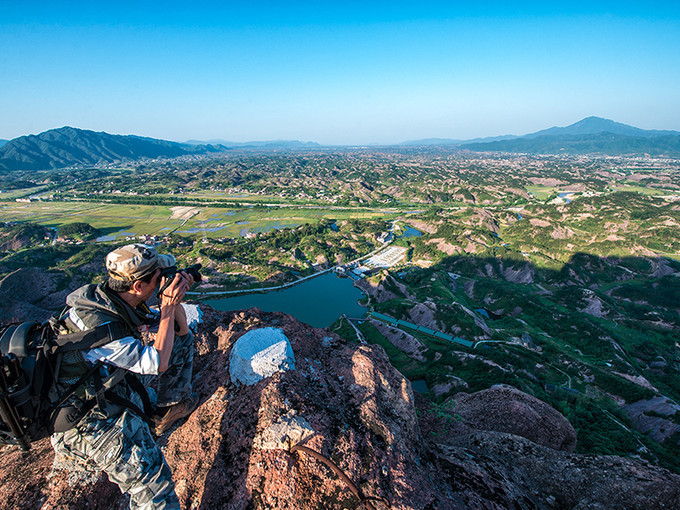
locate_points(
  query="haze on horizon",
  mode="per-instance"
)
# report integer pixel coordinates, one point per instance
(336, 72)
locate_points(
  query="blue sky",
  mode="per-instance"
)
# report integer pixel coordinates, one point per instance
(335, 72)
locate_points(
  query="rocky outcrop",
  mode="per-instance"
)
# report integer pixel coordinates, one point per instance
(595, 306)
(654, 417)
(346, 402)
(522, 274)
(445, 247)
(494, 470)
(506, 409)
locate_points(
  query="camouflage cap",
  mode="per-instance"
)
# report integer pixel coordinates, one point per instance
(135, 261)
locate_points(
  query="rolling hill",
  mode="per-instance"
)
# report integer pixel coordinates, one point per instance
(70, 147)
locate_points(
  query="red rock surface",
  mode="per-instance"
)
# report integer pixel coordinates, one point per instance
(362, 415)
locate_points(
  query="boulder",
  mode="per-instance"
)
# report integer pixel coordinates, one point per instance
(259, 354)
(506, 409)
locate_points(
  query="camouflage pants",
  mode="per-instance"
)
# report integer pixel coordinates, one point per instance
(174, 385)
(125, 450)
(123, 447)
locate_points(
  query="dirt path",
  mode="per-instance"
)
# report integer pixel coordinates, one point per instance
(182, 212)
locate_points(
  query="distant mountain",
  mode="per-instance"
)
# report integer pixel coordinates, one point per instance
(3, 142)
(432, 141)
(594, 125)
(270, 144)
(450, 141)
(68, 146)
(592, 135)
(583, 137)
(601, 143)
(226, 143)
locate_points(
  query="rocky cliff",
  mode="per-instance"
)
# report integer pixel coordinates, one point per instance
(494, 449)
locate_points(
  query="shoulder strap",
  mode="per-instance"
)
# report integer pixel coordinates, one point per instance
(90, 339)
(137, 386)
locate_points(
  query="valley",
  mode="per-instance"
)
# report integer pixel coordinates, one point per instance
(559, 273)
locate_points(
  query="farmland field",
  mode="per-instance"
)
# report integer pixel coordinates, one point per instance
(121, 220)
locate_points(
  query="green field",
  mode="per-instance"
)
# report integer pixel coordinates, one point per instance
(644, 190)
(19, 193)
(123, 220)
(541, 192)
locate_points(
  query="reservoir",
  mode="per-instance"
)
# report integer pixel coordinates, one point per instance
(318, 301)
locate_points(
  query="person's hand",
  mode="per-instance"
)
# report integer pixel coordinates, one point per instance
(174, 293)
(190, 279)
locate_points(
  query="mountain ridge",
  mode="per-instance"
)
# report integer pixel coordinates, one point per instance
(73, 147)
(594, 125)
(68, 146)
(587, 126)
(591, 135)
(603, 143)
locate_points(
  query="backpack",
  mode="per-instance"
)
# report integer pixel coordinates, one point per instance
(31, 406)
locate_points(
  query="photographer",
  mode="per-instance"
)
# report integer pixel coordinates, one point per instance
(114, 436)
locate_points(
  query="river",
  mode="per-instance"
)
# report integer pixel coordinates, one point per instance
(318, 301)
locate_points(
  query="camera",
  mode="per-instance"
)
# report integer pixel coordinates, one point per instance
(169, 274)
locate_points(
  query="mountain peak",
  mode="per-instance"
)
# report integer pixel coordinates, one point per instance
(594, 125)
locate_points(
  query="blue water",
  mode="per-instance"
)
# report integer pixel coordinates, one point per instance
(318, 301)
(196, 230)
(564, 196)
(411, 232)
(420, 385)
(112, 237)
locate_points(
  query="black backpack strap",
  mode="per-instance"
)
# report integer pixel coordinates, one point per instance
(99, 391)
(137, 386)
(72, 389)
(122, 402)
(90, 339)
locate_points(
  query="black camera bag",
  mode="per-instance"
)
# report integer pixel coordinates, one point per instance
(29, 369)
